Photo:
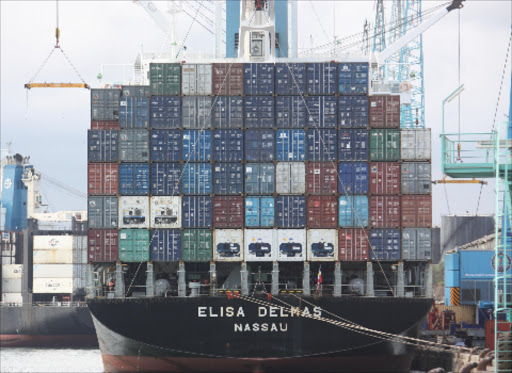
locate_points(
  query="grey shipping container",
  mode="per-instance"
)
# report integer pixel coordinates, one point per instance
(416, 244)
(259, 178)
(197, 212)
(133, 146)
(321, 145)
(228, 145)
(197, 178)
(259, 112)
(228, 178)
(416, 178)
(196, 112)
(416, 145)
(228, 112)
(105, 104)
(165, 179)
(259, 145)
(196, 79)
(165, 245)
(291, 178)
(290, 211)
(103, 145)
(102, 212)
(290, 112)
(322, 111)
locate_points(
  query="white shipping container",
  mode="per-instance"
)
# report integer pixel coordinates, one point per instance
(415, 145)
(11, 285)
(134, 212)
(52, 270)
(12, 298)
(52, 285)
(322, 244)
(228, 245)
(196, 79)
(12, 270)
(291, 245)
(9, 250)
(165, 212)
(53, 256)
(53, 242)
(8, 260)
(260, 245)
(291, 178)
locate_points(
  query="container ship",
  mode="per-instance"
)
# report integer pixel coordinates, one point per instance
(258, 213)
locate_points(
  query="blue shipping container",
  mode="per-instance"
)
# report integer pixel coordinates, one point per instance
(165, 145)
(103, 145)
(228, 178)
(259, 145)
(385, 244)
(259, 78)
(165, 245)
(228, 112)
(134, 112)
(197, 178)
(322, 111)
(259, 178)
(451, 262)
(197, 145)
(259, 112)
(290, 112)
(134, 179)
(353, 78)
(353, 112)
(290, 78)
(291, 211)
(291, 145)
(165, 179)
(353, 211)
(321, 78)
(321, 145)
(197, 212)
(165, 111)
(228, 145)
(353, 145)
(353, 178)
(451, 278)
(259, 211)
(196, 112)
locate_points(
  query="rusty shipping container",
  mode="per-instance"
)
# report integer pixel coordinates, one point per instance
(384, 111)
(385, 211)
(103, 245)
(322, 212)
(105, 125)
(228, 212)
(416, 211)
(384, 178)
(353, 244)
(321, 178)
(103, 179)
(228, 79)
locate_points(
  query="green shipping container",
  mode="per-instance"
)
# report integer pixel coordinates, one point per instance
(165, 79)
(385, 145)
(196, 245)
(134, 245)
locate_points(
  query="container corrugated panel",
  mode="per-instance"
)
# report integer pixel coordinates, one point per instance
(259, 112)
(134, 212)
(104, 125)
(321, 78)
(165, 145)
(291, 245)
(290, 78)
(58, 242)
(322, 244)
(385, 145)
(290, 145)
(102, 245)
(322, 212)
(196, 79)
(321, 145)
(385, 178)
(353, 178)
(228, 79)
(353, 245)
(165, 245)
(165, 179)
(416, 244)
(196, 245)
(290, 211)
(228, 245)
(353, 145)
(322, 178)
(103, 145)
(259, 145)
(196, 112)
(385, 244)
(259, 178)
(416, 211)
(416, 145)
(197, 178)
(12, 270)
(52, 270)
(165, 112)
(385, 211)
(228, 145)
(134, 112)
(197, 145)
(133, 245)
(416, 178)
(290, 112)
(384, 111)
(165, 79)
(322, 111)
(52, 285)
(165, 212)
(353, 78)
(228, 212)
(260, 245)
(259, 78)
(353, 112)
(259, 211)
(353, 211)
(134, 179)
(52, 256)
(196, 212)
(228, 112)
(135, 91)
(11, 285)
(103, 178)
(133, 146)
(228, 178)
(105, 104)
(291, 178)
(102, 212)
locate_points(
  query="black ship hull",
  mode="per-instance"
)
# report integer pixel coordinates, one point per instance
(221, 334)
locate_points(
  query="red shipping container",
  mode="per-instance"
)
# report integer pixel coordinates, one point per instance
(385, 212)
(105, 125)
(228, 212)
(103, 179)
(416, 211)
(503, 326)
(384, 178)
(228, 79)
(384, 111)
(103, 245)
(353, 244)
(322, 212)
(321, 178)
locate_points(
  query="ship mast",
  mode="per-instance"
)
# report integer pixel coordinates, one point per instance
(257, 31)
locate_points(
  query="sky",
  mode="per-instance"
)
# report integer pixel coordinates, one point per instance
(51, 125)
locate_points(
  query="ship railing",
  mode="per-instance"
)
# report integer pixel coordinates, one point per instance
(11, 304)
(59, 304)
